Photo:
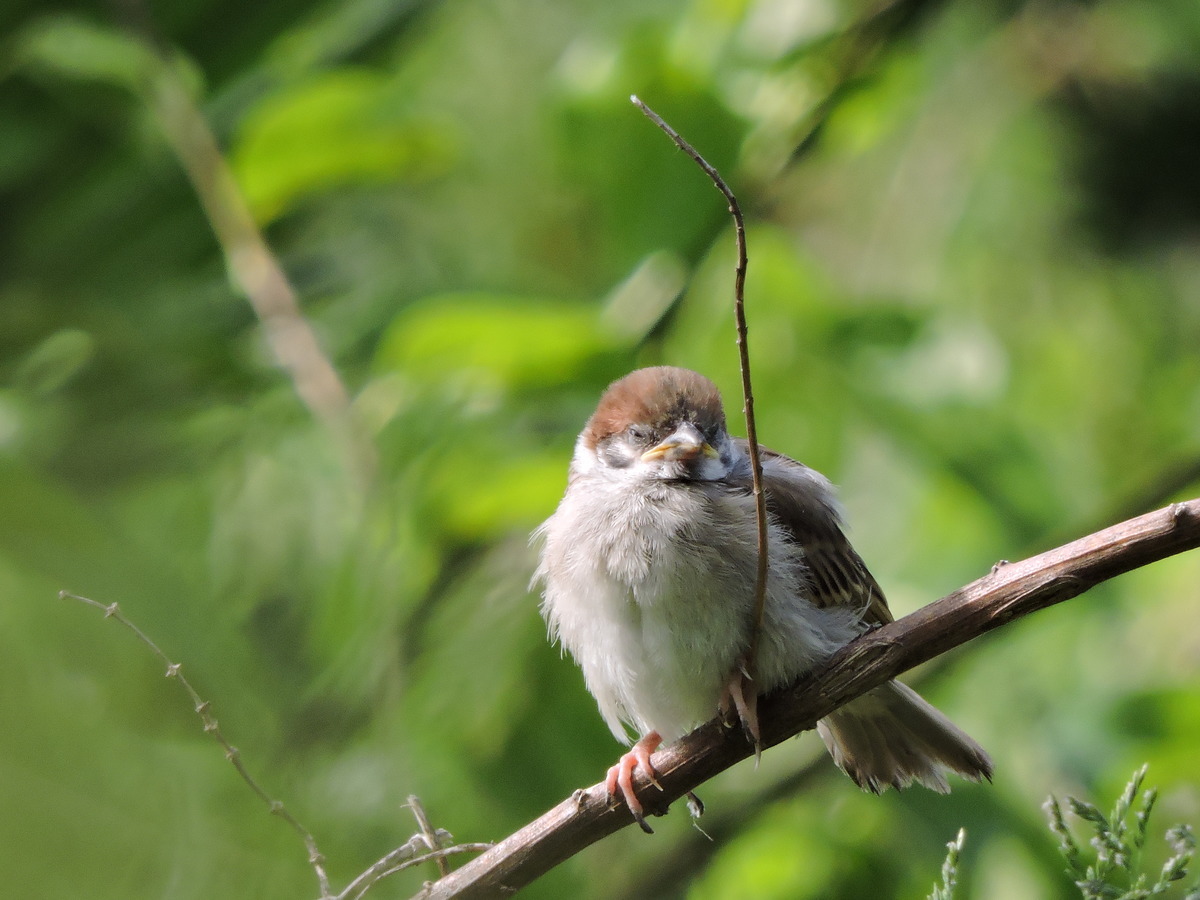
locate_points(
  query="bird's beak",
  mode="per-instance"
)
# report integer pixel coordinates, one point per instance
(686, 443)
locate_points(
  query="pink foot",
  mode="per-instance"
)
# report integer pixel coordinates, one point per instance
(620, 776)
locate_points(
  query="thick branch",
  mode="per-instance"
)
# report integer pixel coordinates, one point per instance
(1010, 591)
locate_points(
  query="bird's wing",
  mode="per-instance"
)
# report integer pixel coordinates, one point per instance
(801, 500)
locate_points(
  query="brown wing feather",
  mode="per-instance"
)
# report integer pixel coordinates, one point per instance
(801, 501)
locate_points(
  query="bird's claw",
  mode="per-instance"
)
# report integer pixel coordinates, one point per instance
(741, 694)
(620, 776)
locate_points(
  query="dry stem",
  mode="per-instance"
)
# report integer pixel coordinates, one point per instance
(204, 710)
(1009, 592)
(429, 844)
(739, 312)
(253, 268)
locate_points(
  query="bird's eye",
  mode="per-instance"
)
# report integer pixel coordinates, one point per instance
(639, 433)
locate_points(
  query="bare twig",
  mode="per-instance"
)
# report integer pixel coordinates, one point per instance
(429, 844)
(1009, 592)
(433, 838)
(413, 852)
(204, 710)
(739, 312)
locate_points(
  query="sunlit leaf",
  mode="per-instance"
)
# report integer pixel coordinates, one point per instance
(340, 128)
(492, 341)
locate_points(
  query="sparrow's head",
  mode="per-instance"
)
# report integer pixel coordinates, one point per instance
(663, 423)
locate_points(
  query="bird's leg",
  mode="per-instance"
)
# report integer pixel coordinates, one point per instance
(741, 691)
(620, 776)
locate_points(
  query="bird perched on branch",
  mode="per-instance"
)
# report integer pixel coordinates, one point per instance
(648, 572)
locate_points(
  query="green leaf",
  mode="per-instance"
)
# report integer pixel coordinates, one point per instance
(491, 340)
(342, 127)
(55, 361)
(74, 47)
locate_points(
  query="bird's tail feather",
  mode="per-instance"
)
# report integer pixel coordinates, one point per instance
(891, 737)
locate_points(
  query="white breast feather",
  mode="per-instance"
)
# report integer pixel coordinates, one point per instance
(653, 597)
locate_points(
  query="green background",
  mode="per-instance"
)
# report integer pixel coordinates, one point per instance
(974, 297)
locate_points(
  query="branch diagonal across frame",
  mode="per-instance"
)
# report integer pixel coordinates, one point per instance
(1009, 592)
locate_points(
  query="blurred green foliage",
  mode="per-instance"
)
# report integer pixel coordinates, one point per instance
(1118, 864)
(974, 297)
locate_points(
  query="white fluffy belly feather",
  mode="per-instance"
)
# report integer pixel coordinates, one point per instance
(655, 602)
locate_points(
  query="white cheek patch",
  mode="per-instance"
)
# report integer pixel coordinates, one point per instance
(584, 460)
(587, 461)
(716, 468)
(711, 469)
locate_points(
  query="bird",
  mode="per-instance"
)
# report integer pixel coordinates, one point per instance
(647, 570)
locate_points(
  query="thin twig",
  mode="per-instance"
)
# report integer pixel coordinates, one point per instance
(204, 710)
(433, 838)
(1008, 593)
(739, 312)
(428, 845)
(405, 856)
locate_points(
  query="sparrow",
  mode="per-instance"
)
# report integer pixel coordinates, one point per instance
(648, 570)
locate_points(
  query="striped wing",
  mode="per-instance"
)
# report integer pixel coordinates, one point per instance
(801, 500)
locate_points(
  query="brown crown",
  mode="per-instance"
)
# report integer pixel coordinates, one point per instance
(659, 396)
